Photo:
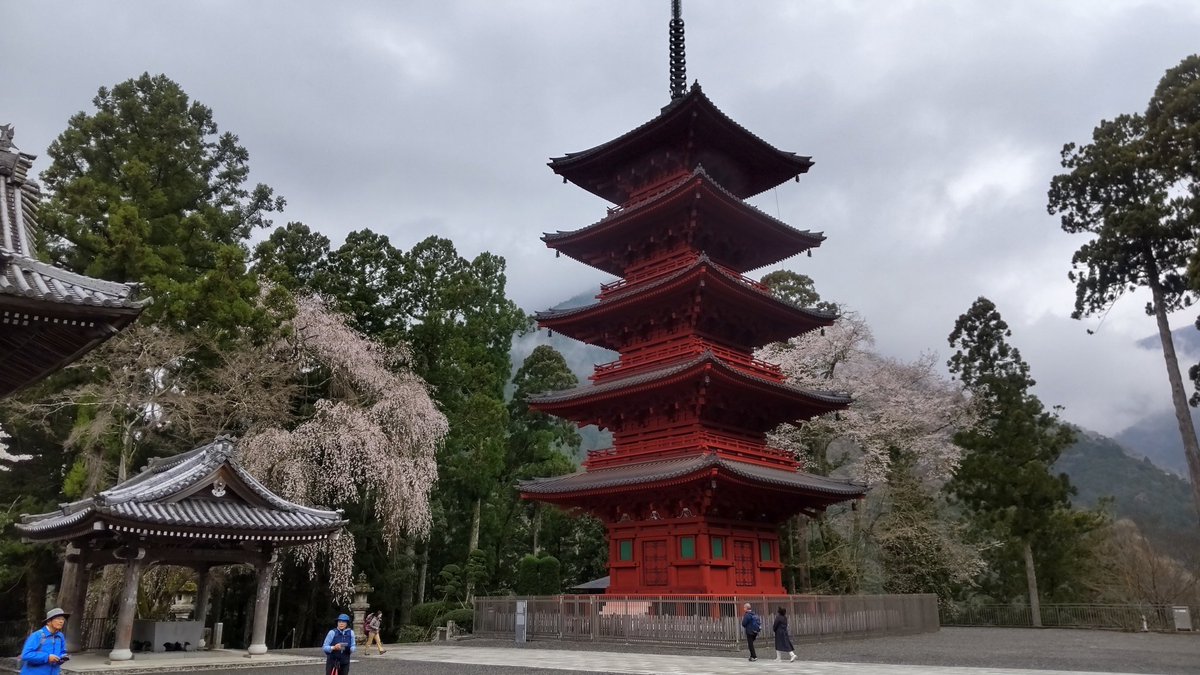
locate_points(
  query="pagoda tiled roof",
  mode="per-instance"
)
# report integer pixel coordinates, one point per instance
(805, 239)
(657, 375)
(187, 496)
(786, 164)
(702, 260)
(649, 473)
(25, 277)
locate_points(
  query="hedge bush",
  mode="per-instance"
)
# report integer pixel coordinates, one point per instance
(425, 613)
(463, 618)
(411, 633)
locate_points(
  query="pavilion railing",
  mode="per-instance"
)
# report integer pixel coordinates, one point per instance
(1076, 615)
(703, 620)
(98, 633)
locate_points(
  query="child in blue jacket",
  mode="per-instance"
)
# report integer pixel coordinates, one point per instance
(46, 648)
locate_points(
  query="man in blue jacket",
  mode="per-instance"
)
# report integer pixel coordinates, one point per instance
(752, 625)
(46, 649)
(339, 645)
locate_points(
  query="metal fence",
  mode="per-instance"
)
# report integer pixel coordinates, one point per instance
(1113, 617)
(705, 620)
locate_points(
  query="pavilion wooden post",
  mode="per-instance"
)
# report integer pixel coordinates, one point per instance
(73, 596)
(128, 612)
(203, 591)
(262, 606)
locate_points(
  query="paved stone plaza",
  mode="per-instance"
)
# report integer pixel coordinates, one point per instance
(952, 651)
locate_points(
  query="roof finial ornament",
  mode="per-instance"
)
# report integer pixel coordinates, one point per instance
(6, 136)
(678, 63)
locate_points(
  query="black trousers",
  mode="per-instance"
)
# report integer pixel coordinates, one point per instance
(750, 637)
(333, 661)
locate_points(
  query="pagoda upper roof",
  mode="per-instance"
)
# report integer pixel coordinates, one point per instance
(763, 239)
(691, 127)
(792, 319)
(684, 469)
(202, 494)
(684, 369)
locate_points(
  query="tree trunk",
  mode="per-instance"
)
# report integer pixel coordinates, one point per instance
(802, 559)
(422, 573)
(535, 525)
(1183, 412)
(35, 597)
(406, 597)
(1035, 605)
(473, 542)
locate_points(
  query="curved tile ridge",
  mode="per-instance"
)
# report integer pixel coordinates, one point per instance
(702, 259)
(672, 469)
(669, 190)
(27, 277)
(646, 377)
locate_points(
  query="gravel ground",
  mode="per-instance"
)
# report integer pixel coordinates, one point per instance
(1049, 649)
(1101, 651)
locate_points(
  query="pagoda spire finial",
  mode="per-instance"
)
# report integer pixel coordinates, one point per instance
(678, 64)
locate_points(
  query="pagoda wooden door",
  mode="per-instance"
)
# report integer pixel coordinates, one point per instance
(743, 563)
(654, 563)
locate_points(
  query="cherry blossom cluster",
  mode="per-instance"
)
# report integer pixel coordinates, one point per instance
(897, 405)
(377, 439)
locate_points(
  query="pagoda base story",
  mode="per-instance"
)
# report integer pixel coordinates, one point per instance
(694, 555)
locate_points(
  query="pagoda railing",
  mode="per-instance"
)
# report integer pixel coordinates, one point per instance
(642, 360)
(669, 266)
(653, 446)
(703, 620)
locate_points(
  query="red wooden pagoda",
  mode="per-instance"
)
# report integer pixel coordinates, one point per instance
(691, 494)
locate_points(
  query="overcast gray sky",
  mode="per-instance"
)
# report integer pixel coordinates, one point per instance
(935, 127)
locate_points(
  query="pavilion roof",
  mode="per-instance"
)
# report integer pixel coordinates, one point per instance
(685, 469)
(694, 126)
(30, 279)
(49, 317)
(201, 494)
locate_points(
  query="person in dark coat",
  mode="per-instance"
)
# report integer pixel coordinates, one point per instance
(751, 624)
(339, 645)
(783, 641)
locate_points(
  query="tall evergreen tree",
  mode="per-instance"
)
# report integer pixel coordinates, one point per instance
(147, 189)
(1135, 191)
(1004, 476)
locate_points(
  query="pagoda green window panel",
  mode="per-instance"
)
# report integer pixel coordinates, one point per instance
(764, 551)
(626, 550)
(718, 547)
(687, 548)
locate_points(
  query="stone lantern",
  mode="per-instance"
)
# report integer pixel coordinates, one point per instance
(185, 602)
(360, 605)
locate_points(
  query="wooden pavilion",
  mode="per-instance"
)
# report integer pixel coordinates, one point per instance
(199, 509)
(49, 317)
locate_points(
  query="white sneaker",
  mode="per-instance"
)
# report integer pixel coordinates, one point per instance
(793, 658)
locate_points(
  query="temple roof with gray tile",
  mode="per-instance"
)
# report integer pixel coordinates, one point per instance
(49, 316)
(201, 494)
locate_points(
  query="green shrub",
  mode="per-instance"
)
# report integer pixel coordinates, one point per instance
(463, 618)
(527, 576)
(411, 633)
(424, 614)
(549, 572)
